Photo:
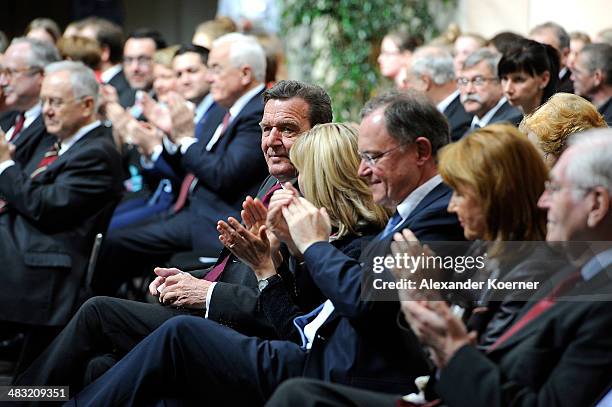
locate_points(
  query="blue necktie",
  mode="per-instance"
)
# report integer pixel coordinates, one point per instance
(395, 220)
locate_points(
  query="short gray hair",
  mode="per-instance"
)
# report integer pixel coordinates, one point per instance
(245, 50)
(491, 58)
(563, 37)
(42, 53)
(82, 79)
(593, 167)
(599, 56)
(434, 62)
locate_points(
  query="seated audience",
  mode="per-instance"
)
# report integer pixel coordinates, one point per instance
(549, 127)
(43, 29)
(592, 74)
(481, 92)
(82, 49)
(529, 74)
(54, 205)
(578, 40)
(396, 51)
(208, 31)
(464, 45)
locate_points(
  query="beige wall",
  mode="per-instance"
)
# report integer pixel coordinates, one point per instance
(489, 17)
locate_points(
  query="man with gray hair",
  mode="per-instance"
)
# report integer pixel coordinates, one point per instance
(21, 77)
(481, 92)
(54, 205)
(223, 166)
(554, 35)
(592, 74)
(432, 72)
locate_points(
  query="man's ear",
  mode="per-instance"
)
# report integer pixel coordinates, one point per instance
(599, 207)
(246, 75)
(424, 149)
(427, 83)
(598, 77)
(89, 104)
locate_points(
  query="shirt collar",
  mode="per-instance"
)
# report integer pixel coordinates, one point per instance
(562, 72)
(406, 207)
(110, 73)
(488, 115)
(596, 264)
(69, 142)
(447, 101)
(243, 100)
(33, 112)
(203, 107)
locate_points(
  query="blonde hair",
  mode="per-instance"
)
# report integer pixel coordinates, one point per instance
(561, 116)
(507, 175)
(165, 56)
(327, 160)
(81, 49)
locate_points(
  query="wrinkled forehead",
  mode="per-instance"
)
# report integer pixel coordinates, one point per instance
(294, 110)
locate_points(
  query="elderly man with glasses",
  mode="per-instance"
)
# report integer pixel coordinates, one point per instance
(481, 92)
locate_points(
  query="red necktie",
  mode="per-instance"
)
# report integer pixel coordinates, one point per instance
(19, 122)
(181, 200)
(213, 275)
(539, 308)
(47, 160)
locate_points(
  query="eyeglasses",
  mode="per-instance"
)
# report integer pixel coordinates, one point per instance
(140, 60)
(477, 81)
(371, 159)
(9, 72)
(552, 187)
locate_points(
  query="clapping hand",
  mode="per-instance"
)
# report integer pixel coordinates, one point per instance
(181, 115)
(307, 224)
(157, 114)
(275, 220)
(145, 136)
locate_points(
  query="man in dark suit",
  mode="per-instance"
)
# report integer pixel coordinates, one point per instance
(109, 325)
(349, 340)
(23, 64)
(110, 37)
(559, 352)
(554, 35)
(218, 162)
(432, 72)
(54, 205)
(481, 91)
(592, 73)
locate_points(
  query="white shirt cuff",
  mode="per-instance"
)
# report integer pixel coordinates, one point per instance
(211, 287)
(170, 147)
(5, 164)
(186, 143)
(149, 162)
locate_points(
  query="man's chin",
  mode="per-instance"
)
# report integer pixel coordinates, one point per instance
(282, 172)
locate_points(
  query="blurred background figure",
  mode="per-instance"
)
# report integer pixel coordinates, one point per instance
(503, 41)
(252, 16)
(81, 49)
(164, 77)
(578, 40)
(550, 126)
(396, 51)
(554, 35)
(604, 36)
(43, 29)
(464, 45)
(592, 73)
(208, 31)
(529, 72)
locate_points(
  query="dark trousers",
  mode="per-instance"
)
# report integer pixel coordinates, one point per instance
(312, 393)
(196, 359)
(134, 250)
(102, 326)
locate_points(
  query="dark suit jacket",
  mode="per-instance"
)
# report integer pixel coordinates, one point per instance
(29, 139)
(126, 94)
(565, 83)
(606, 111)
(48, 231)
(505, 114)
(231, 170)
(359, 344)
(561, 358)
(458, 119)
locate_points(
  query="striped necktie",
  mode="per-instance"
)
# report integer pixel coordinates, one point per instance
(47, 160)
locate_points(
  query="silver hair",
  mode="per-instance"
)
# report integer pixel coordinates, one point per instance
(82, 79)
(483, 54)
(245, 50)
(434, 62)
(41, 53)
(562, 36)
(593, 166)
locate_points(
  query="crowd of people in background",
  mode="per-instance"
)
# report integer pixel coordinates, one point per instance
(182, 223)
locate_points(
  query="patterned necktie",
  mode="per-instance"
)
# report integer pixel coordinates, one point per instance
(19, 122)
(47, 160)
(213, 275)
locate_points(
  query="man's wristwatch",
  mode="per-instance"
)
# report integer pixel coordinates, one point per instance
(261, 284)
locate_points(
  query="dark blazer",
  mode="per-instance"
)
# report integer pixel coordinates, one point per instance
(606, 111)
(231, 170)
(458, 119)
(505, 114)
(48, 231)
(562, 358)
(29, 139)
(565, 83)
(127, 95)
(360, 344)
